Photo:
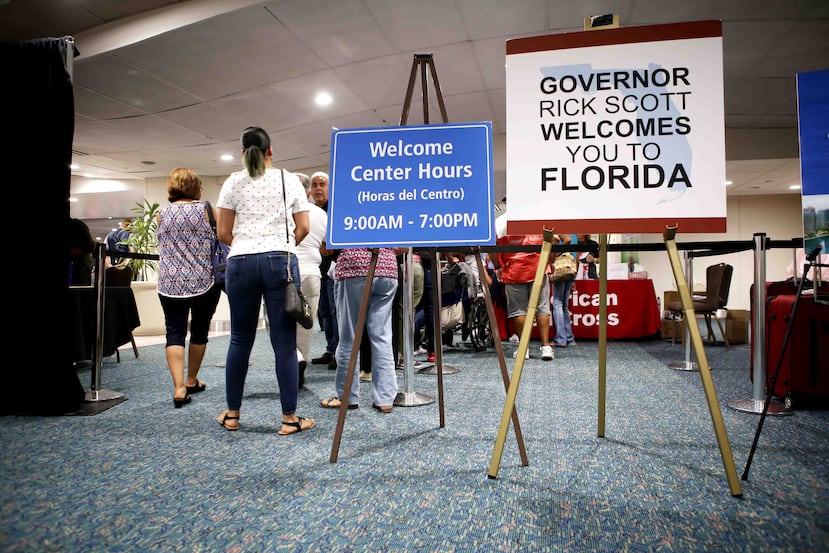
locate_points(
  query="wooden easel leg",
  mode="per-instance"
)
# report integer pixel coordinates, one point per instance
(499, 349)
(602, 383)
(704, 367)
(352, 362)
(512, 392)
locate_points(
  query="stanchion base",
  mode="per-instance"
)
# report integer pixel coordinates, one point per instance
(101, 395)
(684, 366)
(756, 406)
(447, 369)
(412, 399)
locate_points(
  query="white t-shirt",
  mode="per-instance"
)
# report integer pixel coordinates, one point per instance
(260, 210)
(308, 251)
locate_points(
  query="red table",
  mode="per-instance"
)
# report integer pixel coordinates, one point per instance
(632, 310)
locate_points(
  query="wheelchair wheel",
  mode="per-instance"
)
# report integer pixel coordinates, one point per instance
(480, 333)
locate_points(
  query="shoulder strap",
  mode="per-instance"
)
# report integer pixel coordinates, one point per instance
(210, 215)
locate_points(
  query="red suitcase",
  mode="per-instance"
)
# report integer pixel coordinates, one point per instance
(776, 288)
(804, 370)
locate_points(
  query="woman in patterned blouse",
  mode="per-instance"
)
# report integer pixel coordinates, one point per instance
(185, 279)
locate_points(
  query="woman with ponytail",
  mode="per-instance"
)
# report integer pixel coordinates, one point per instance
(263, 215)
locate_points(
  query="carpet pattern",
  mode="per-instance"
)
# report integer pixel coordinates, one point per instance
(142, 476)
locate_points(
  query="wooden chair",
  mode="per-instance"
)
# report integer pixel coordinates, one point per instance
(717, 288)
(120, 276)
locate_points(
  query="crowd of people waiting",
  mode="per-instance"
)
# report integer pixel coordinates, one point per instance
(275, 223)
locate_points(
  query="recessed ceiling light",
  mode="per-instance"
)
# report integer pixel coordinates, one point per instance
(73, 199)
(226, 157)
(794, 187)
(729, 182)
(74, 166)
(323, 99)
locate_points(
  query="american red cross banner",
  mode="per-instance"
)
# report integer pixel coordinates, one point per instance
(617, 131)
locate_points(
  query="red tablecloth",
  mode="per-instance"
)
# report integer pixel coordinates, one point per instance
(632, 310)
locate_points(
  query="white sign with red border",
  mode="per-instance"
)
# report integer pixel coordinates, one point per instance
(617, 131)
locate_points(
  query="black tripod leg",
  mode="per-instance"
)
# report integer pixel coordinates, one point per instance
(773, 383)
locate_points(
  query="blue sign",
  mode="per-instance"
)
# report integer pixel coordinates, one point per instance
(412, 186)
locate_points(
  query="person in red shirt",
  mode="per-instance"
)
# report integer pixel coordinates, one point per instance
(516, 270)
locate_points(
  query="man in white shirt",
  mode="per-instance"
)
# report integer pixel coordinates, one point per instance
(309, 256)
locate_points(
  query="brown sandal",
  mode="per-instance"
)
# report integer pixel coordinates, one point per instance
(334, 403)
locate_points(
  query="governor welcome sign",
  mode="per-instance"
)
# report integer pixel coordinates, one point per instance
(617, 131)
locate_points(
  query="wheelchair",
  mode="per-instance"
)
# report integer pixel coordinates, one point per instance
(475, 325)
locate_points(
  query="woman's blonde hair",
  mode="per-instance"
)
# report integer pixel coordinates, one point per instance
(183, 184)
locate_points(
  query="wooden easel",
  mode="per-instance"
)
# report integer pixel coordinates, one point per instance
(422, 61)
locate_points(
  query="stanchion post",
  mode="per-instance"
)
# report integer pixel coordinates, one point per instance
(687, 364)
(756, 403)
(408, 397)
(95, 392)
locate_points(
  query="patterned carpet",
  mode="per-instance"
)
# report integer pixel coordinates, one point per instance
(142, 476)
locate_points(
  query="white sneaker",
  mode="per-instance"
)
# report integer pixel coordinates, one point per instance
(515, 354)
(514, 339)
(365, 377)
(547, 353)
(420, 351)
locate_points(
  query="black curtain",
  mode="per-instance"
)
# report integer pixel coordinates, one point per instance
(38, 126)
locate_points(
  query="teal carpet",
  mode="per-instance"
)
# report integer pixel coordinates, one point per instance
(142, 476)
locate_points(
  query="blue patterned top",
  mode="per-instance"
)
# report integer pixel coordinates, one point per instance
(184, 241)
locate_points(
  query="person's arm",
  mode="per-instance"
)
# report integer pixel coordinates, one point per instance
(225, 220)
(303, 225)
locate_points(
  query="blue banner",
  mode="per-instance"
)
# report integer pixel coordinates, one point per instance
(813, 121)
(412, 186)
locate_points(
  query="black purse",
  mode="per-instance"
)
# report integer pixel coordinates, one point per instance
(296, 306)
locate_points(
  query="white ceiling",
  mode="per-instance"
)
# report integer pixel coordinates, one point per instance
(162, 84)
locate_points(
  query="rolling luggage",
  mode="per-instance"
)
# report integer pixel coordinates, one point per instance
(804, 370)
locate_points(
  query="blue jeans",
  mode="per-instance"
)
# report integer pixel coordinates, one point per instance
(328, 313)
(561, 313)
(250, 278)
(378, 331)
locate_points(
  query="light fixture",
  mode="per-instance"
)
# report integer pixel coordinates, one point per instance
(226, 157)
(794, 187)
(323, 99)
(729, 182)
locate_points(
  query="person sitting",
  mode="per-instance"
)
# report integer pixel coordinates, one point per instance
(116, 242)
